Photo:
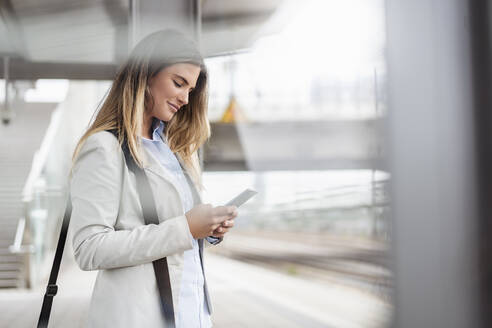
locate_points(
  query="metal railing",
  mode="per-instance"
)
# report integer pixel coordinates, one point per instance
(25, 236)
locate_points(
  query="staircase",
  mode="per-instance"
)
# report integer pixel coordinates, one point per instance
(18, 142)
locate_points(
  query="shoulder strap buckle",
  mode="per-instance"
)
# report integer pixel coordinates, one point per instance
(51, 290)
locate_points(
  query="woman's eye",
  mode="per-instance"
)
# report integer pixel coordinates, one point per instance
(177, 84)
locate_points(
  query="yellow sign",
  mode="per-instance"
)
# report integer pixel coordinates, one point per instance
(233, 113)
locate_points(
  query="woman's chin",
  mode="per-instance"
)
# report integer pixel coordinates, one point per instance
(166, 117)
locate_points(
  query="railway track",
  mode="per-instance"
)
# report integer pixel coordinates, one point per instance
(359, 263)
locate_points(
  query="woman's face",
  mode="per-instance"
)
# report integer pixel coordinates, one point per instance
(170, 89)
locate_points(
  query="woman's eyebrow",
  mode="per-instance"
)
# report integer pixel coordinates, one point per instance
(185, 81)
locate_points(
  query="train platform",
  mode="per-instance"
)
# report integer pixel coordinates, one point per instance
(243, 294)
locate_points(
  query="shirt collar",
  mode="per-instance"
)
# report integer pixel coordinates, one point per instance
(157, 128)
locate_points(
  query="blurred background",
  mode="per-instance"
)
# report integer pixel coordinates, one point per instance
(362, 124)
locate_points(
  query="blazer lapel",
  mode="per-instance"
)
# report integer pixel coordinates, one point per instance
(152, 164)
(197, 199)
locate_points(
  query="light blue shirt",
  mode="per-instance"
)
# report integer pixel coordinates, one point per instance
(193, 310)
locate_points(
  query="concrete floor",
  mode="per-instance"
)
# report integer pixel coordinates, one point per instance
(244, 295)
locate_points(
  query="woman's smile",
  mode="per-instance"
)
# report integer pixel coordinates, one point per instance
(173, 107)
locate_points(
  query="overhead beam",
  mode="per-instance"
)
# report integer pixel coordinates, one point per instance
(27, 70)
(300, 145)
(237, 19)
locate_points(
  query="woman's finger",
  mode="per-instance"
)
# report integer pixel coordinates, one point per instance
(228, 223)
(224, 210)
(221, 219)
(221, 230)
(218, 235)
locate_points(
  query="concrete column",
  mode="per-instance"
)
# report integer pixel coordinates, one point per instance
(432, 161)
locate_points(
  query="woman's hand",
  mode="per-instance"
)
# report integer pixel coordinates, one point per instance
(204, 219)
(224, 228)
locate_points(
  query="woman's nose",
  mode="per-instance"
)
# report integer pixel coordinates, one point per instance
(183, 98)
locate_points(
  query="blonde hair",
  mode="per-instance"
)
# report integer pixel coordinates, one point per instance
(129, 96)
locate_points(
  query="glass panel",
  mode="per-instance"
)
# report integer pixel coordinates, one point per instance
(306, 104)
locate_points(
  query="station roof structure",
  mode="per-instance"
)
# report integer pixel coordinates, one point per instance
(87, 39)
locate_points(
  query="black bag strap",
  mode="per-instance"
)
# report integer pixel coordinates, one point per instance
(161, 269)
(52, 288)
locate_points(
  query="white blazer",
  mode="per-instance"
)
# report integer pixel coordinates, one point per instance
(109, 234)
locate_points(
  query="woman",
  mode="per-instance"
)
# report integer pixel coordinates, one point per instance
(157, 106)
